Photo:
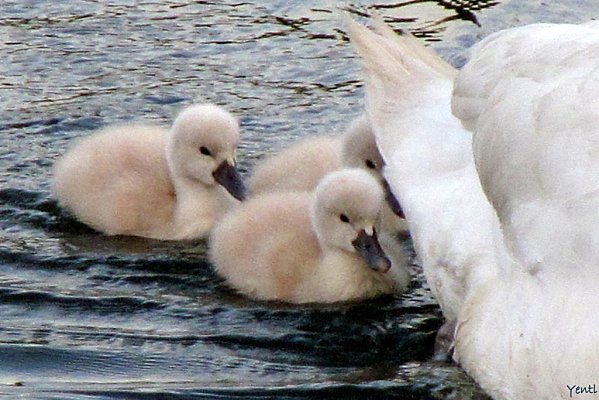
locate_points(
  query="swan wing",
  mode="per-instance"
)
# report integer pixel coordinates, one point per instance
(531, 94)
(429, 165)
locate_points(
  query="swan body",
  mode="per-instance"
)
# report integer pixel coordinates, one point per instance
(305, 247)
(144, 180)
(301, 166)
(431, 165)
(503, 218)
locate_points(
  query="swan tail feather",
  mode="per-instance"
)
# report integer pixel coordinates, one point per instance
(382, 61)
(418, 49)
(397, 79)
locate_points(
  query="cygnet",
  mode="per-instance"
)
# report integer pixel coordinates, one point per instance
(302, 165)
(302, 247)
(144, 180)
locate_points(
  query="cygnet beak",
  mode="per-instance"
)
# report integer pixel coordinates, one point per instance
(228, 177)
(370, 250)
(392, 200)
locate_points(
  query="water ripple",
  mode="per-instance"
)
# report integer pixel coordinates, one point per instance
(87, 316)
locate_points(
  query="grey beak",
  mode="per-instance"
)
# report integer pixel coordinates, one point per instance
(392, 200)
(370, 249)
(228, 177)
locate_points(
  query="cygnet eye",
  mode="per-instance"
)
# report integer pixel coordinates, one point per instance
(344, 218)
(204, 150)
(370, 164)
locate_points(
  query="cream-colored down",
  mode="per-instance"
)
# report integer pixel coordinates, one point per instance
(302, 165)
(144, 180)
(292, 246)
(297, 168)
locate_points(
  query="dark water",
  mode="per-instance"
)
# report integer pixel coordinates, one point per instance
(85, 316)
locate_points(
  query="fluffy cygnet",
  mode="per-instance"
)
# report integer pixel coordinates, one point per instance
(301, 166)
(145, 180)
(309, 247)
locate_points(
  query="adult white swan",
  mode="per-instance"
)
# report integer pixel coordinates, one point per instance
(519, 271)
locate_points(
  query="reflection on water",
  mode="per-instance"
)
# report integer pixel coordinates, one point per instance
(88, 316)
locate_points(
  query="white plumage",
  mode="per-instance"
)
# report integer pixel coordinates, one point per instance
(520, 275)
(419, 160)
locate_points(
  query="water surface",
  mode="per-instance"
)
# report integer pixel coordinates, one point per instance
(86, 316)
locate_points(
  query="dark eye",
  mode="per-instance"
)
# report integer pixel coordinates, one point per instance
(204, 150)
(343, 218)
(370, 164)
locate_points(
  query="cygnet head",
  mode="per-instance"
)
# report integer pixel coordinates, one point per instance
(360, 151)
(359, 147)
(344, 210)
(202, 147)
